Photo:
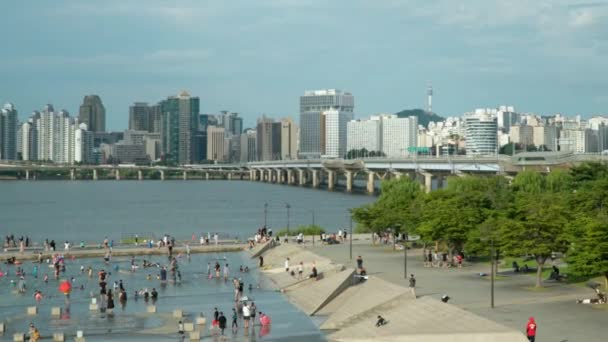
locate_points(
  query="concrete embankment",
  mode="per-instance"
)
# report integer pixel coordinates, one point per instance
(32, 254)
(350, 308)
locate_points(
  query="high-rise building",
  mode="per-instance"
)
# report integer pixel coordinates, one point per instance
(572, 140)
(312, 123)
(179, 126)
(93, 113)
(289, 139)
(364, 134)
(398, 135)
(335, 133)
(29, 140)
(522, 134)
(83, 145)
(264, 129)
(507, 117)
(216, 144)
(481, 132)
(8, 132)
(232, 123)
(139, 115)
(249, 146)
(545, 137)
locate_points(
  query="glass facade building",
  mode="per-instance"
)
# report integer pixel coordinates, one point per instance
(312, 123)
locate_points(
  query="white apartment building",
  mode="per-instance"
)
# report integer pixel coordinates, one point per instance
(335, 132)
(364, 134)
(398, 135)
(481, 129)
(572, 140)
(83, 144)
(55, 135)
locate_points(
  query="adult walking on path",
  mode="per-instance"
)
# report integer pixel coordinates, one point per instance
(531, 329)
(412, 285)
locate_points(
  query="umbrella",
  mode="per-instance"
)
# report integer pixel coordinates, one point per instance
(65, 287)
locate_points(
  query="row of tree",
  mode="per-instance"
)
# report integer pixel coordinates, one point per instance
(532, 214)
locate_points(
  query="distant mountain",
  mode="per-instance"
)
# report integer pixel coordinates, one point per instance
(423, 117)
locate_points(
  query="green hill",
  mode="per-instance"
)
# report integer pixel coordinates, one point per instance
(423, 117)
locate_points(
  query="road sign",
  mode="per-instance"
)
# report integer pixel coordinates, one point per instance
(413, 237)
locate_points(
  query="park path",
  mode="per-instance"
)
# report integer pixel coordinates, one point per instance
(554, 307)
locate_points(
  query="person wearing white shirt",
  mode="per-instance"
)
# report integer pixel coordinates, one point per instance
(287, 265)
(246, 314)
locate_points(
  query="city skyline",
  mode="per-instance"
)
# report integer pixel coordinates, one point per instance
(542, 56)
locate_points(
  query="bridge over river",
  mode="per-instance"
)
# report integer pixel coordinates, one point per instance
(330, 174)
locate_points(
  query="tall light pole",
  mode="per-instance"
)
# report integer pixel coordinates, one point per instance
(351, 236)
(492, 274)
(405, 238)
(266, 215)
(287, 206)
(313, 225)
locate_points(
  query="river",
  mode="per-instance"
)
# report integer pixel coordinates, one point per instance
(89, 211)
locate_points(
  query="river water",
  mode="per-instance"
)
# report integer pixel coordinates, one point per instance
(89, 211)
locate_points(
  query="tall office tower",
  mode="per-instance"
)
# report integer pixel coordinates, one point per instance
(139, 115)
(249, 146)
(8, 132)
(179, 126)
(312, 105)
(154, 114)
(335, 133)
(93, 113)
(289, 139)
(398, 135)
(507, 117)
(216, 144)
(264, 131)
(83, 145)
(231, 122)
(481, 131)
(364, 134)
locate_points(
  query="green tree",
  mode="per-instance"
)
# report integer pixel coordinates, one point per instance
(589, 172)
(588, 252)
(536, 228)
(588, 231)
(529, 182)
(394, 207)
(448, 215)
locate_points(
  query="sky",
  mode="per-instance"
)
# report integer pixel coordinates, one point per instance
(258, 57)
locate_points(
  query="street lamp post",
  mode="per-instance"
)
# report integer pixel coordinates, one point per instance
(406, 237)
(351, 236)
(313, 225)
(287, 206)
(266, 214)
(492, 274)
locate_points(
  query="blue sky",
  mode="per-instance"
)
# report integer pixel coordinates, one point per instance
(258, 56)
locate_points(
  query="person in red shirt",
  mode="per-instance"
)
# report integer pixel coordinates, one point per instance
(531, 329)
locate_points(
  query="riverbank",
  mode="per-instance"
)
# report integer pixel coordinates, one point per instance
(348, 306)
(123, 250)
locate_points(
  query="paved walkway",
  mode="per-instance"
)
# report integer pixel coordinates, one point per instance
(559, 318)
